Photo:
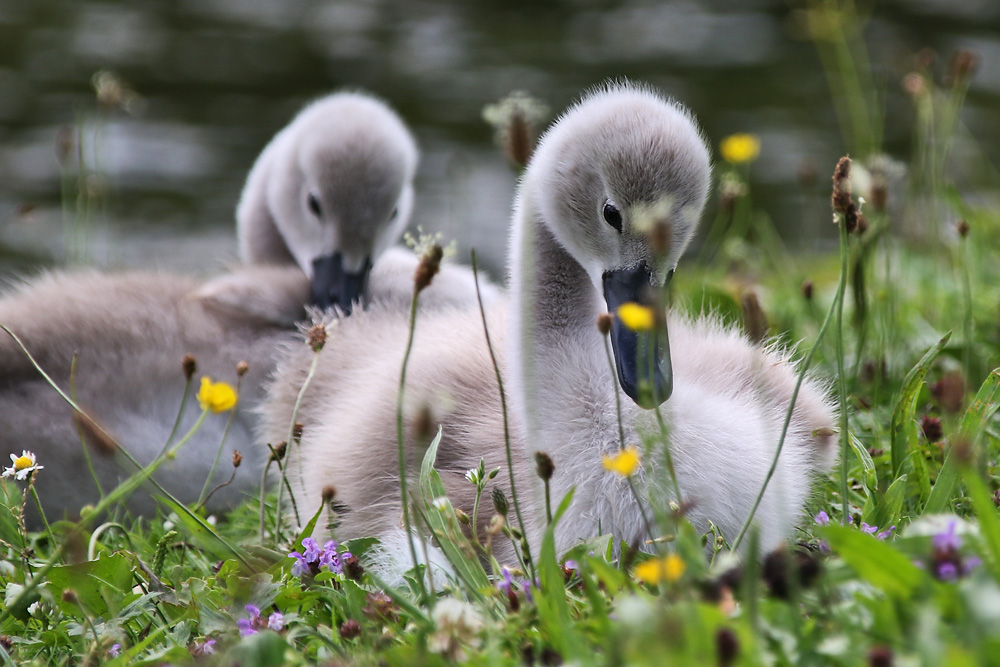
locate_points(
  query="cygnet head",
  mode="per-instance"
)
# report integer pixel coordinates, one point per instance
(339, 189)
(621, 180)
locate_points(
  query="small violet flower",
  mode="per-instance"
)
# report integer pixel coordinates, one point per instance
(947, 562)
(822, 519)
(256, 622)
(313, 559)
(204, 647)
(115, 650)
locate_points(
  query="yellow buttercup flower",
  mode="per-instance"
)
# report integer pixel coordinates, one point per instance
(216, 396)
(740, 148)
(636, 317)
(653, 571)
(624, 463)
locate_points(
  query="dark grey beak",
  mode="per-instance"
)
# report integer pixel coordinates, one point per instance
(332, 286)
(642, 358)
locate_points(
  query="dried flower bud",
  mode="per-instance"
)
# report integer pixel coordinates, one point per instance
(544, 466)
(6, 642)
(843, 205)
(328, 494)
(950, 391)
(500, 503)
(242, 368)
(931, 427)
(880, 656)
(430, 264)
(807, 290)
(961, 65)
(604, 322)
(754, 318)
(237, 458)
(316, 336)
(279, 451)
(496, 525)
(353, 569)
(189, 366)
(727, 646)
(963, 228)
(70, 596)
(423, 424)
(94, 434)
(515, 120)
(349, 629)
(297, 429)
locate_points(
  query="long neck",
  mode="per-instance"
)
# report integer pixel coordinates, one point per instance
(257, 232)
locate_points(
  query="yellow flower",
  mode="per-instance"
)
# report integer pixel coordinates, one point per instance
(624, 463)
(740, 148)
(636, 317)
(655, 570)
(216, 396)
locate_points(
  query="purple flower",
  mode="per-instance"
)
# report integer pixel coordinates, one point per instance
(276, 621)
(865, 528)
(115, 650)
(948, 540)
(311, 550)
(886, 533)
(822, 518)
(300, 565)
(204, 647)
(507, 585)
(571, 565)
(946, 571)
(256, 623)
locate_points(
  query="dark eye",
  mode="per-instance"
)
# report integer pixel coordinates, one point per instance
(314, 206)
(612, 215)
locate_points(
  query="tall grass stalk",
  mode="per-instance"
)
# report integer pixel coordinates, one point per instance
(503, 411)
(291, 443)
(79, 428)
(835, 307)
(400, 450)
(218, 454)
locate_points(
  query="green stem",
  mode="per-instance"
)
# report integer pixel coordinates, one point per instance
(400, 452)
(38, 504)
(503, 411)
(290, 443)
(180, 415)
(218, 454)
(834, 307)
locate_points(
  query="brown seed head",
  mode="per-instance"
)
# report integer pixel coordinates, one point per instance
(961, 65)
(279, 451)
(6, 642)
(237, 458)
(329, 493)
(949, 391)
(316, 336)
(963, 228)
(544, 466)
(189, 366)
(430, 264)
(70, 596)
(931, 427)
(754, 318)
(659, 237)
(349, 629)
(423, 424)
(604, 322)
(880, 656)
(94, 434)
(519, 139)
(727, 646)
(297, 429)
(807, 290)
(915, 85)
(242, 368)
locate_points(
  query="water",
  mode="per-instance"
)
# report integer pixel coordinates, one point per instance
(214, 79)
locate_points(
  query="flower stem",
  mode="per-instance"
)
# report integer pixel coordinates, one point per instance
(836, 306)
(503, 410)
(290, 443)
(218, 454)
(400, 451)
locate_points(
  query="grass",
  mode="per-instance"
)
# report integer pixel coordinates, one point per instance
(900, 566)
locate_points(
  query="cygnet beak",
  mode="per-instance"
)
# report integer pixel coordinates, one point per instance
(333, 286)
(642, 358)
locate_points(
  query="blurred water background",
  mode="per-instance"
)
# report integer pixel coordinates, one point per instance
(212, 80)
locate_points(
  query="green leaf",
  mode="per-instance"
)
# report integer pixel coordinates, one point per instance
(986, 512)
(204, 534)
(861, 452)
(264, 649)
(876, 561)
(904, 429)
(890, 505)
(91, 580)
(973, 423)
(553, 610)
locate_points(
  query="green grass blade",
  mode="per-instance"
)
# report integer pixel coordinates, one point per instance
(876, 561)
(904, 429)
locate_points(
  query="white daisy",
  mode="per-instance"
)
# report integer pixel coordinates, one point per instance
(23, 465)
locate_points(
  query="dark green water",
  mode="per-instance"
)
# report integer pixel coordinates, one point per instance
(216, 78)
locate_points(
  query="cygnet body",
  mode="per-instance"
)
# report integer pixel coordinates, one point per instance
(615, 166)
(337, 182)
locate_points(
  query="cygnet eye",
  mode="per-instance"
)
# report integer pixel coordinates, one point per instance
(313, 202)
(612, 215)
